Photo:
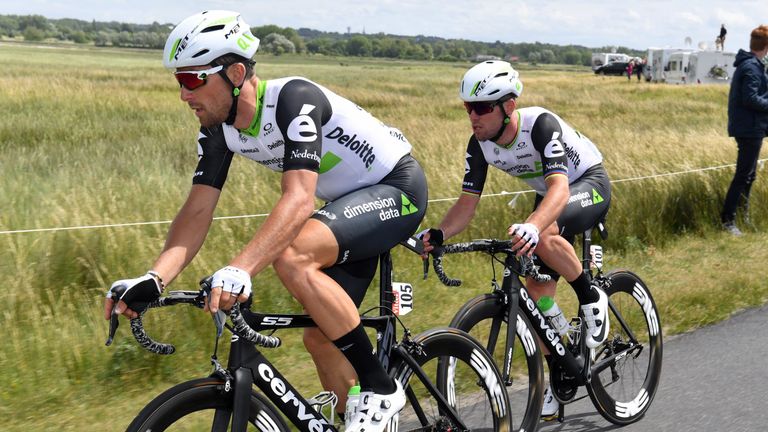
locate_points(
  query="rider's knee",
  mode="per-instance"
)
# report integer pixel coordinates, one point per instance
(290, 262)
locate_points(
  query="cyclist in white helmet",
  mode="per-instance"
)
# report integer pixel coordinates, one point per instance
(324, 146)
(564, 168)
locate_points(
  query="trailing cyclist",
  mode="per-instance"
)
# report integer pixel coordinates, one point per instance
(565, 169)
(324, 146)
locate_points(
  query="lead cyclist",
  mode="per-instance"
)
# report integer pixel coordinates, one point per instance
(324, 146)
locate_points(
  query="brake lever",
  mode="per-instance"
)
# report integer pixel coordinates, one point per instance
(113, 324)
(220, 318)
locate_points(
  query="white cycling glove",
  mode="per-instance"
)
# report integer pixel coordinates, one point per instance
(232, 280)
(527, 232)
(137, 292)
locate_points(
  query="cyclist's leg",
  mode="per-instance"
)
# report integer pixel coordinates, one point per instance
(333, 369)
(589, 203)
(358, 226)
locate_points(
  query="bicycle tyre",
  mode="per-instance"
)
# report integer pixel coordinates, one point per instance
(623, 392)
(525, 389)
(476, 393)
(183, 407)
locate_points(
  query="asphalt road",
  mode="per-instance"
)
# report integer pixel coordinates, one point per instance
(713, 379)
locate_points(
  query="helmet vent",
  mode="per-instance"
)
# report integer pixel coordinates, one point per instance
(201, 53)
(493, 92)
(502, 74)
(212, 28)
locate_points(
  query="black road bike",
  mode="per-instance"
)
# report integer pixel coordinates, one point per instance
(621, 376)
(227, 400)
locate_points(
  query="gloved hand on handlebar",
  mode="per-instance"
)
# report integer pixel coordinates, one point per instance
(133, 295)
(229, 284)
(525, 237)
(432, 238)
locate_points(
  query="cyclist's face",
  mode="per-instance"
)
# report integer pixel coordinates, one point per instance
(486, 125)
(211, 101)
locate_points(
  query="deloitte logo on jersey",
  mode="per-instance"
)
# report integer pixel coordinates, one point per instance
(362, 149)
(387, 208)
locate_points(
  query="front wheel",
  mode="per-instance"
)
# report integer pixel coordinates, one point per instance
(203, 404)
(485, 318)
(627, 368)
(472, 387)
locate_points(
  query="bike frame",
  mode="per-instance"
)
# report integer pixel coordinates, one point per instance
(247, 366)
(518, 299)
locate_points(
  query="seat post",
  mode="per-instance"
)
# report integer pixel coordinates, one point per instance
(586, 257)
(385, 281)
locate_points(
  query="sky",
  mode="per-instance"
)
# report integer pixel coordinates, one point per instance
(592, 23)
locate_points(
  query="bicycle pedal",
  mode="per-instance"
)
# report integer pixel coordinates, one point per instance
(320, 401)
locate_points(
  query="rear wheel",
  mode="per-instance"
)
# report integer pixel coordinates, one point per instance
(203, 405)
(470, 384)
(627, 368)
(484, 318)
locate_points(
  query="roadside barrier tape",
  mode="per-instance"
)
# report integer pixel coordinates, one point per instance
(760, 162)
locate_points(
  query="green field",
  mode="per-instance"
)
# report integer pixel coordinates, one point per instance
(97, 136)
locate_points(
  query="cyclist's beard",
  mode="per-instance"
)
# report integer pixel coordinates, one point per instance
(213, 113)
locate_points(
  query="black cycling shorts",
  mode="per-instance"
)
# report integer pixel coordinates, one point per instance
(372, 220)
(588, 205)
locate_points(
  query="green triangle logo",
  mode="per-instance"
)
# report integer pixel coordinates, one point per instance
(408, 207)
(328, 161)
(596, 198)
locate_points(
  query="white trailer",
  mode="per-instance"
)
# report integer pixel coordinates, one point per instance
(710, 67)
(657, 60)
(676, 71)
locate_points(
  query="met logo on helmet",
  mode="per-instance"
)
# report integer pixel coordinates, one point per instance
(178, 47)
(234, 30)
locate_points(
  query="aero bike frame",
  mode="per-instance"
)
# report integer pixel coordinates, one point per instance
(247, 366)
(575, 359)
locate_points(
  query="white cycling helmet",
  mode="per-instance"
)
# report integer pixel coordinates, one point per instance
(206, 36)
(490, 81)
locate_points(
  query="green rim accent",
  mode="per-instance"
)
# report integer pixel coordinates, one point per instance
(253, 129)
(224, 20)
(328, 162)
(474, 88)
(408, 207)
(596, 198)
(173, 51)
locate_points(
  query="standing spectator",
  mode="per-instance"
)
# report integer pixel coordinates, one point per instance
(747, 123)
(639, 68)
(720, 40)
(630, 68)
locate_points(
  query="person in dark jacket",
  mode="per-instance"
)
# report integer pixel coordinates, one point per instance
(747, 123)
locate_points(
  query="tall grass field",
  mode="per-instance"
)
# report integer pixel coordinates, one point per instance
(95, 143)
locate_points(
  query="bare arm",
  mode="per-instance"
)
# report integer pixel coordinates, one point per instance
(553, 203)
(187, 232)
(283, 224)
(459, 215)
(186, 235)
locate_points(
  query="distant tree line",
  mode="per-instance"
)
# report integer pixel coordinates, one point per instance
(278, 40)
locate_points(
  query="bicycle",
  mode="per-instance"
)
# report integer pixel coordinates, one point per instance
(621, 376)
(474, 401)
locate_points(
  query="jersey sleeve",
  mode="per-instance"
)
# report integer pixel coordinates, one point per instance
(547, 137)
(475, 169)
(214, 158)
(300, 112)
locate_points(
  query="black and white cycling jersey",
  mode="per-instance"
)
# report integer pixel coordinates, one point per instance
(302, 125)
(544, 145)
